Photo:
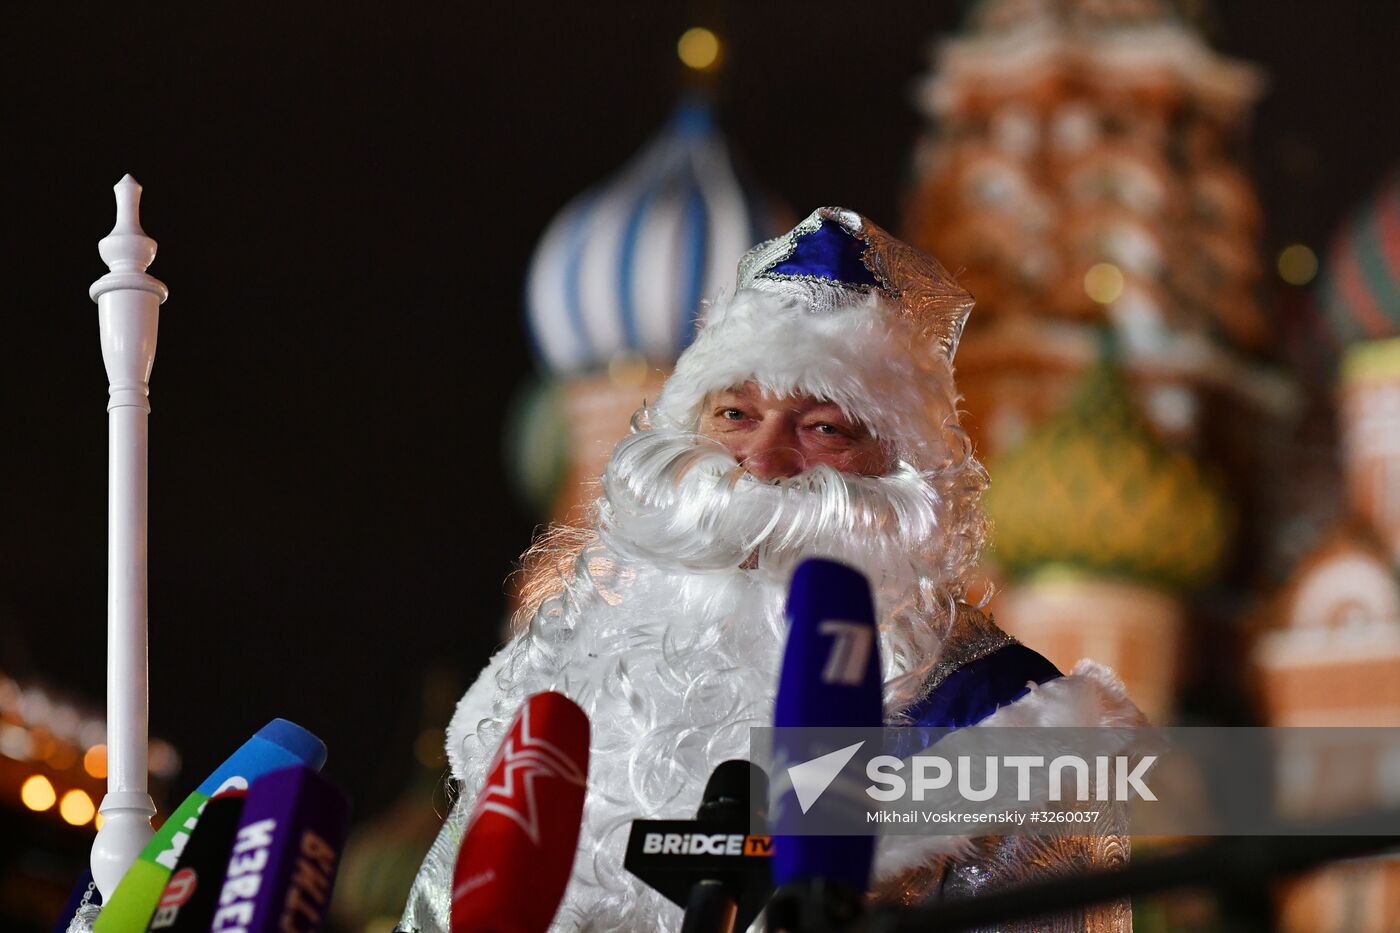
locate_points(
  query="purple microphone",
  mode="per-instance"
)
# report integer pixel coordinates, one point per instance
(285, 855)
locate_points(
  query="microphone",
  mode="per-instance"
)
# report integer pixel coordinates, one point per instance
(192, 893)
(85, 899)
(286, 850)
(830, 678)
(518, 850)
(278, 744)
(712, 865)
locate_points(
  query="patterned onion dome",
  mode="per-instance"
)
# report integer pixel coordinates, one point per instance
(1137, 44)
(623, 269)
(1017, 14)
(1360, 291)
(1093, 490)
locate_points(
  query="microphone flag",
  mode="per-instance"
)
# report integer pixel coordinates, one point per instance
(725, 848)
(518, 850)
(830, 678)
(285, 855)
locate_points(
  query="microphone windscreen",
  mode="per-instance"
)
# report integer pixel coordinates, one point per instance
(831, 665)
(285, 855)
(518, 850)
(830, 678)
(279, 744)
(729, 793)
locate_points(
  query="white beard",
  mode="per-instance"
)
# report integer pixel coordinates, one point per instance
(673, 648)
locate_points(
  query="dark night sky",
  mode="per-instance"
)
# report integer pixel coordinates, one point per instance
(345, 202)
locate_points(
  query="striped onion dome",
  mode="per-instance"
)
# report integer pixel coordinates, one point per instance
(1093, 491)
(623, 269)
(1360, 290)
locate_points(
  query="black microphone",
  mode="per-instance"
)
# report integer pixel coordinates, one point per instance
(192, 894)
(712, 866)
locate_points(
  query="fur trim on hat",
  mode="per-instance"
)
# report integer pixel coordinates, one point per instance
(862, 357)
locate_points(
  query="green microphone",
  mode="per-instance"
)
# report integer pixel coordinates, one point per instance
(279, 744)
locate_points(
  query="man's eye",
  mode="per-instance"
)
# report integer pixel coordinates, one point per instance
(828, 429)
(732, 414)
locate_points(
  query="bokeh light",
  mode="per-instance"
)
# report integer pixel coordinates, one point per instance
(1297, 264)
(699, 48)
(76, 807)
(15, 742)
(164, 761)
(37, 793)
(95, 761)
(1103, 282)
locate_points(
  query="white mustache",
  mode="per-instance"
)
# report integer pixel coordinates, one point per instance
(683, 502)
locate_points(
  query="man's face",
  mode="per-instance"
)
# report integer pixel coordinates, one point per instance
(776, 437)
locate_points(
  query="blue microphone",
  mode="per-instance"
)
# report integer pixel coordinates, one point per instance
(830, 678)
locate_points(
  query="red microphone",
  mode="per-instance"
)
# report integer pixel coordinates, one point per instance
(518, 850)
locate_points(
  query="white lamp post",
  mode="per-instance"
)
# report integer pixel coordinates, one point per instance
(128, 308)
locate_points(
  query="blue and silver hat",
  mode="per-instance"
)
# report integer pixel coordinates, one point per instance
(837, 258)
(839, 309)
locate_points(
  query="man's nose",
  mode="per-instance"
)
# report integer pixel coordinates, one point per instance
(772, 453)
